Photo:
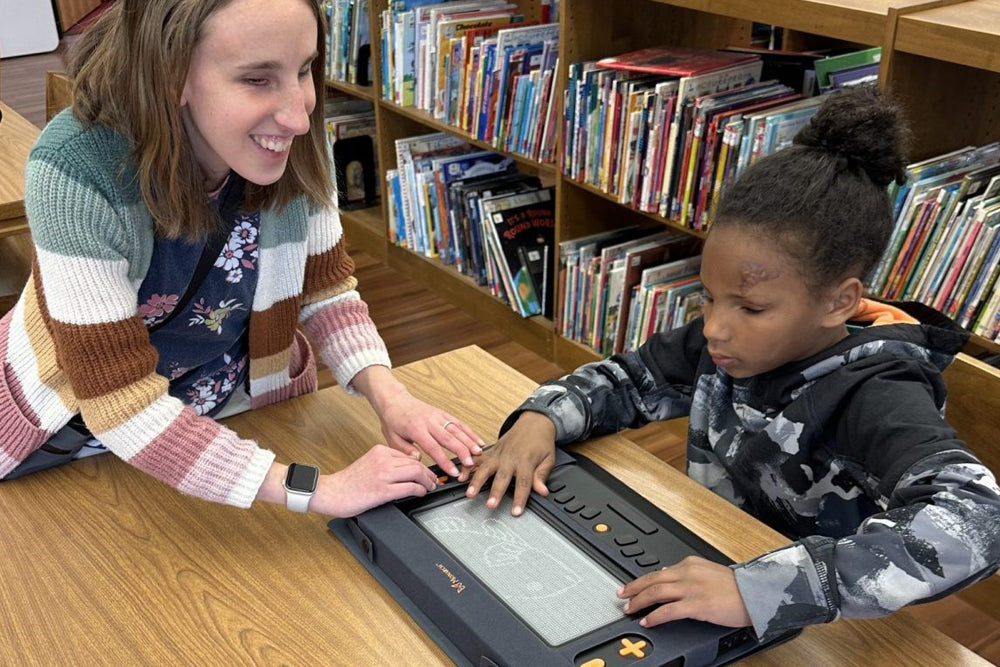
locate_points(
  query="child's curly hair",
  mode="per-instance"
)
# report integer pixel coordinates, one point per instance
(824, 198)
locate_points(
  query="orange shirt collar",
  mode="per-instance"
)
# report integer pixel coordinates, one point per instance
(878, 313)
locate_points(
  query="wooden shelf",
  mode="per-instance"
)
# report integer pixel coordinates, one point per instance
(967, 34)
(425, 118)
(862, 21)
(365, 229)
(652, 216)
(361, 92)
(535, 333)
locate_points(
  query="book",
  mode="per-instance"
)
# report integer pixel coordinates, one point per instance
(676, 60)
(824, 66)
(513, 221)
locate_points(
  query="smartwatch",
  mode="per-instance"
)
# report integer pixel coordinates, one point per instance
(300, 485)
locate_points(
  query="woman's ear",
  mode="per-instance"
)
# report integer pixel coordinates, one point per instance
(842, 302)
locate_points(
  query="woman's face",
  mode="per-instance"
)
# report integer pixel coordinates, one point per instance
(249, 90)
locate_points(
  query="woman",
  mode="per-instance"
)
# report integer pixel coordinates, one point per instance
(184, 225)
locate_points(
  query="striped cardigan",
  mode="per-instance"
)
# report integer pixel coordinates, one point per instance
(74, 343)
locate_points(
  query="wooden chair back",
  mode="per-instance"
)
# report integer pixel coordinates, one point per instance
(58, 93)
(973, 409)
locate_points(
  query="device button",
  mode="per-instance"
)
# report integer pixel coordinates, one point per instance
(625, 540)
(601, 528)
(563, 498)
(629, 552)
(590, 514)
(595, 662)
(574, 507)
(647, 561)
(556, 486)
(634, 517)
(633, 649)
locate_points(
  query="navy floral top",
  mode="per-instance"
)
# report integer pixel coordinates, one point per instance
(204, 350)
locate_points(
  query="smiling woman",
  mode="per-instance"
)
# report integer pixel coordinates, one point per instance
(184, 226)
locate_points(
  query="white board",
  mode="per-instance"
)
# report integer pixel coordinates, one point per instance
(27, 27)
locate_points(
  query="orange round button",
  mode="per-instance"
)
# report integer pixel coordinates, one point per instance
(601, 528)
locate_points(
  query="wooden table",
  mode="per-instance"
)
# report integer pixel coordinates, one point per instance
(103, 565)
(17, 136)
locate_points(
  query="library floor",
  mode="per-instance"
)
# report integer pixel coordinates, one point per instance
(415, 323)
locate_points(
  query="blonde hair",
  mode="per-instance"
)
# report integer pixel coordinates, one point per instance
(128, 73)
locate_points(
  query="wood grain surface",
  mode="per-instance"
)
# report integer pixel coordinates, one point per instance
(103, 565)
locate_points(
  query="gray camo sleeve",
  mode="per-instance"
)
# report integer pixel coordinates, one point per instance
(944, 538)
(624, 391)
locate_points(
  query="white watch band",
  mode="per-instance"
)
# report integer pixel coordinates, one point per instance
(297, 501)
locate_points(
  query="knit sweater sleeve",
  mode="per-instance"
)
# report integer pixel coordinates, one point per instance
(85, 283)
(333, 313)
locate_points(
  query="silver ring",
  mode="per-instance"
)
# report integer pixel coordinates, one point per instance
(445, 426)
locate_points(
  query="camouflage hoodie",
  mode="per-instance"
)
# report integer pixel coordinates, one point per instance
(846, 452)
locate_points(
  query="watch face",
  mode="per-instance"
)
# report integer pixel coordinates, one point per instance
(302, 477)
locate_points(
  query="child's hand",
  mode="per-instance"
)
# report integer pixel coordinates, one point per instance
(527, 452)
(379, 476)
(694, 588)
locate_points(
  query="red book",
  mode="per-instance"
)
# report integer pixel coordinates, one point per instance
(676, 60)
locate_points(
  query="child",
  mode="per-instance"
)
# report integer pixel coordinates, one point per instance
(184, 225)
(811, 407)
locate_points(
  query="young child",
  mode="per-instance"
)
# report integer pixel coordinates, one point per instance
(197, 140)
(811, 407)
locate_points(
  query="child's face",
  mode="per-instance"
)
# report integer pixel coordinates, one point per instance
(759, 312)
(249, 89)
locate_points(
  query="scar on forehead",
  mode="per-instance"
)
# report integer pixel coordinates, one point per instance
(751, 274)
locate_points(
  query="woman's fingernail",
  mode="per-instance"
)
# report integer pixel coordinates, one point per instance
(482, 443)
(517, 510)
(476, 449)
(620, 591)
(643, 622)
(471, 491)
(625, 608)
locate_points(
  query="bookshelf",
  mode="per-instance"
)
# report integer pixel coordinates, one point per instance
(940, 57)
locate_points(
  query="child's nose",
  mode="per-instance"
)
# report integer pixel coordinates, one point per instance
(715, 328)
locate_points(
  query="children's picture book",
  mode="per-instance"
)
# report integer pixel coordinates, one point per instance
(514, 221)
(676, 60)
(824, 66)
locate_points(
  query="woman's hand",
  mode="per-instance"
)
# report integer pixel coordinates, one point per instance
(411, 426)
(381, 475)
(526, 452)
(694, 588)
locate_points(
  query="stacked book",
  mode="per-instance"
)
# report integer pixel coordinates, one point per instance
(945, 248)
(617, 288)
(470, 208)
(476, 65)
(348, 41)
(664, 129)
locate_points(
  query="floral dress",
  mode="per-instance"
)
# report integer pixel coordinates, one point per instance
(204, 350)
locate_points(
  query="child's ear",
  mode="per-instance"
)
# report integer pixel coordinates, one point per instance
(843, 301)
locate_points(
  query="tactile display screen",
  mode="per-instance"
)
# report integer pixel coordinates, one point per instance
(554, 587)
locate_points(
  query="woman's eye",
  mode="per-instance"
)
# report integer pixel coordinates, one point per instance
(752, 311)
(255, 82)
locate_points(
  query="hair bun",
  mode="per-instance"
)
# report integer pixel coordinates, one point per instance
(864, 127)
